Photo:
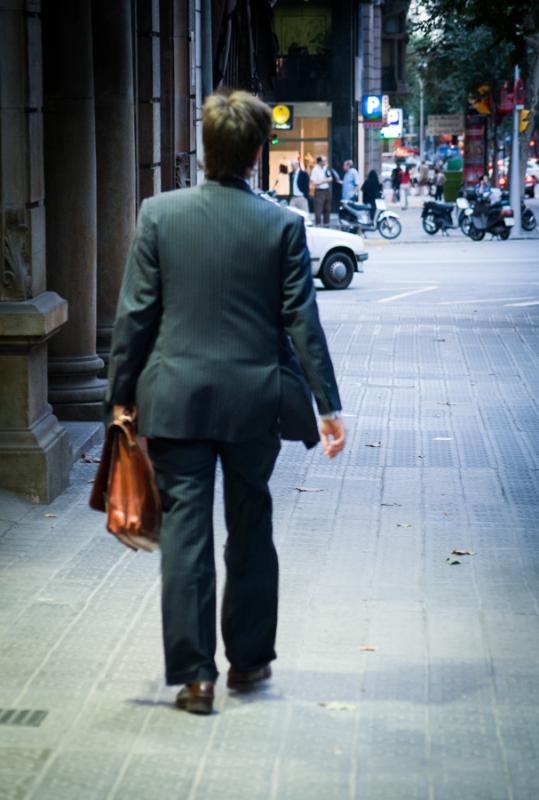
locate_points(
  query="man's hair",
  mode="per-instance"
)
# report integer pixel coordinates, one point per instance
(234, 126)
(319, 159)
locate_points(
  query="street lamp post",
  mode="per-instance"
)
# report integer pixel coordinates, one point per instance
(421, 118)
(515, 188)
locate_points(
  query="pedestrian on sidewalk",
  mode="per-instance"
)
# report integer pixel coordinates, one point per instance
(350, 182)
(396, 182)
(439, 182)
(322, 179)
(405, 187)
(216, 281)
(299, 187)
(371, 190)
(423, 180)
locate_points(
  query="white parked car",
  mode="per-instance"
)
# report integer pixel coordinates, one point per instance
(335, 255)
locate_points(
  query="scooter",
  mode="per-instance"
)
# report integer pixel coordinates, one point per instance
(527, 216)
(356, 218)
(439, 216)
(494, 218)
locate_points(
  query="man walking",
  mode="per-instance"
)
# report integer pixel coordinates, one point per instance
(350, 183)
(216, 281)
(299, 187)
(322, 180)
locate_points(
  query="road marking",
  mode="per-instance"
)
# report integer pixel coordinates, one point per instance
(522, 305)
(458, 261)
(407, 294)
(482, 300)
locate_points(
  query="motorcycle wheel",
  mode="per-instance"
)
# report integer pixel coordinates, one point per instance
(504, 234)
(528, 220)
(389, 227)
(337, 271)
(464, 223)
(430, 225)
(475, 234)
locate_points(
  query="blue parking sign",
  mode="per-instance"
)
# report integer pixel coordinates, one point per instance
(372, 107)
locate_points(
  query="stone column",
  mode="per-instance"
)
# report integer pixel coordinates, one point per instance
(70, 184)
(149, 98)
(372, 78)
(178, 161)
(115, 149)
(35, 453)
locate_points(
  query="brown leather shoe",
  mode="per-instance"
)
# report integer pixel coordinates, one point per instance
(197, 698)
(246, 680)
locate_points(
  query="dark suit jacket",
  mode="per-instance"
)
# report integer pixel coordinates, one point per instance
(304, 183)
(216, 280)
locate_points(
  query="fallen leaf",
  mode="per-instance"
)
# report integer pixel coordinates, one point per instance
(439, 340)
(404, 525)
(388, 505)
(374, 444)
(337, 750)
(368, 648)
(420, 456)
(92, 481)
(452, 561)
(462, 553)
(446, 403)
(89, 460)
(335, 705)
(307, 489)
(445, 514)
(50, 515)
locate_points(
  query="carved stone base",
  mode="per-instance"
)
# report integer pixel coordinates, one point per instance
(35, 462)
(104, 339)
(75, 391)
(35, 454)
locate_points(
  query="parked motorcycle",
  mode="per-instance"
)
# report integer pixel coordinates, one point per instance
(494, 218)
(527, 216)
(356, 218)
(439, 216)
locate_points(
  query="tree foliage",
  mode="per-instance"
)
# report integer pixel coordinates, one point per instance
(453, 61)
(510, 23)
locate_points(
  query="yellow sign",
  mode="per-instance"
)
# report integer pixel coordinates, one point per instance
(524, 120)
(281, 114)
(283, 117)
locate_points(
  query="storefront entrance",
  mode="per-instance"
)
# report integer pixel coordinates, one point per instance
(308, 139)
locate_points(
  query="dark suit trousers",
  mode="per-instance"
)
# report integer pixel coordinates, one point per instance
(322, 206)
(185, 473)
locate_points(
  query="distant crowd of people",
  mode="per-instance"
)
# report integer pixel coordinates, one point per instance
(319, 188)
(324, 180)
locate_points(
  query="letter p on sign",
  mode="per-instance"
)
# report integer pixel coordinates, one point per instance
(372, 105)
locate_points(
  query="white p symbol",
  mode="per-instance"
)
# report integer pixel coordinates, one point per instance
(372, 104)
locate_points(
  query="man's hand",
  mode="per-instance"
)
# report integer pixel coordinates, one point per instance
(333, 436)
(120, 411)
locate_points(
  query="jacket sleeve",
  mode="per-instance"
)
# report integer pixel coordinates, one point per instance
(301, 322)
(138, 312)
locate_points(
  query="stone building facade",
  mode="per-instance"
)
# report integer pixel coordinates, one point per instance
(100, 106)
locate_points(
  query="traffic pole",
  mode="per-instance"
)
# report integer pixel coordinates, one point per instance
(515, 164)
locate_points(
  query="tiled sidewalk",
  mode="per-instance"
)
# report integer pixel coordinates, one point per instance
(400, 675)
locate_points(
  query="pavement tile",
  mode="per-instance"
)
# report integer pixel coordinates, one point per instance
(400, 675)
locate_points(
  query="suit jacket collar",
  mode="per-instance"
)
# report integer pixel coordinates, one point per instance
(232, 183)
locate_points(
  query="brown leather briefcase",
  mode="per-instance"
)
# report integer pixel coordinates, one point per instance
(125, 488)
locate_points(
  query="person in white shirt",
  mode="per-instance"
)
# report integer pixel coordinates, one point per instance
(322, 179)
(299, 187)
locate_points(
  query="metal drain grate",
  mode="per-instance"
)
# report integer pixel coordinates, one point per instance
(24, 716)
